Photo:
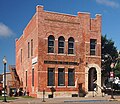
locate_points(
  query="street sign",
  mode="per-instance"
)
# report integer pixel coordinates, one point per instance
(112, 74)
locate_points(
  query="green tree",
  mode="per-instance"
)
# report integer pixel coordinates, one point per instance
(108, 47)
(109, 54)
(117, 69)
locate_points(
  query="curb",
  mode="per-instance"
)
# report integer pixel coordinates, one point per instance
(113, 99)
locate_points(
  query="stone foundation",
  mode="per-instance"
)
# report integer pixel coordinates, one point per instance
(57, 94)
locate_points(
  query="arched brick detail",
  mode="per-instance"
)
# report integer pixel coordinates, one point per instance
(49, 33)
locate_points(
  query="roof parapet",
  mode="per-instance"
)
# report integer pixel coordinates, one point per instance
(39, 8)
(84, 14)
(98, 15)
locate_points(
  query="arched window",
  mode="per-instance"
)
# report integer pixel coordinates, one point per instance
(61, 43)
(51, 40)
(71, 45)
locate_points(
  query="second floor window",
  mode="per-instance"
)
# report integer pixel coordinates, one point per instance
(31, 47)
(71, 45)
(28, 49)
(92, 46)
(21, 55)
(61, 42)
(51, 41)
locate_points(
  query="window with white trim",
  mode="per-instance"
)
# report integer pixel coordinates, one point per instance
(51, 41)
(61, 76)
(71, 77)
(71, 45)
(28, 49)
(26, 78)
(51, 76)
(31, 47)
(33, 77)
(93, 46)
(61, 43)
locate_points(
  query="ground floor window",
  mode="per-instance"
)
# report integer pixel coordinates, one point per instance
(33, 77)
(26, 78)
(61, 77)
(71, 77)
(51, 77)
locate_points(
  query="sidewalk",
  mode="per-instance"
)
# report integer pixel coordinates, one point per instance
(61, 100)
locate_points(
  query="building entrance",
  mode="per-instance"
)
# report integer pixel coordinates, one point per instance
(92, 79)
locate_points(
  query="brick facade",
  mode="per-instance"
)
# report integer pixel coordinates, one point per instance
(43, 24)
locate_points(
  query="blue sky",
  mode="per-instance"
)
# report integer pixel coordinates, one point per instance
(15, 14)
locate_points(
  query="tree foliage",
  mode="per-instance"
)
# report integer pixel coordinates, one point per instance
(108, 47)
(117, 69)
(109, 50)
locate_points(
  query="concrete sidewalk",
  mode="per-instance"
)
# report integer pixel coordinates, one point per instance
(61, 100)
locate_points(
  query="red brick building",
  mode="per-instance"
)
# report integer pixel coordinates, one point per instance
(60, 53)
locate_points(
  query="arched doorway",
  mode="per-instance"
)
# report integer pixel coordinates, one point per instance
(93, 68)
(92, 79)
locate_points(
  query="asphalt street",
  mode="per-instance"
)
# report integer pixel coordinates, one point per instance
(76, 100)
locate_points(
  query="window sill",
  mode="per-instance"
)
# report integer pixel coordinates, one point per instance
(51, 86)
(71, 54)
(93, 56)
(61, 54)
(70, 86)
(51, 53)
(61, 86)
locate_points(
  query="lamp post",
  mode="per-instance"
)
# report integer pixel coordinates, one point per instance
(112, 77)
(112, 65)
(43, 95)
(4, 62)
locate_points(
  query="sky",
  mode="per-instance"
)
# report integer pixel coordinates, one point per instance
(15, 15)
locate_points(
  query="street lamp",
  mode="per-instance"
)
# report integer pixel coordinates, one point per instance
(43, 95)
(108, 56)
(4, 62)
(111, 73)
(112, 77)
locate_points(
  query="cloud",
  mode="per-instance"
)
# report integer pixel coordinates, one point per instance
(5, 31)
(108, 3)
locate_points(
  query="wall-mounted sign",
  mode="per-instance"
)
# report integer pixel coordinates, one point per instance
(34, 60)
(61, 62)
